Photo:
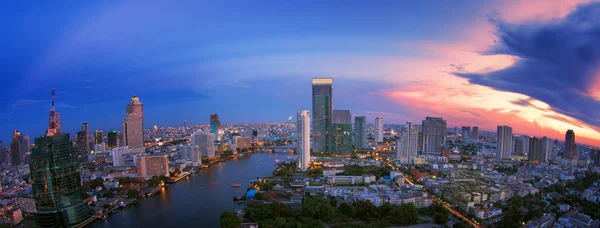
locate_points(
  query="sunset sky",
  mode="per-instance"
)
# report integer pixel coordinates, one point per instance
(530, 64)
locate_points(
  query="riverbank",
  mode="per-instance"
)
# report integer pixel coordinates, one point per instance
(212, 189)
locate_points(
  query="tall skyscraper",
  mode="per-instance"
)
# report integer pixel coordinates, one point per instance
(434, 135)
(322, 102)
(86, 142)
(215, 127)
(536, 150)
(406, 146)
(526, 147)
(570, 144)
(303, 139)
(98, 137)
(595, 153)
(56, 183)
(547, 150)
(360, 131)
(378, 129)
(504, 146)
(466, 132)
(475, 133)
(340, 141)
(133, 125)
(26, 146)
(15, 148)
(111, 139)
(518, 146)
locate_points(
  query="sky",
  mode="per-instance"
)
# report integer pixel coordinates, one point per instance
(533, 65)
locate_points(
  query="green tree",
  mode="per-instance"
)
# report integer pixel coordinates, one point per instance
(229, 220)
(440, 218)
(347, 210)
(106, 207)
(333, 201)
(133, 193)
(317, 208)
(98, 182)
(517, 201)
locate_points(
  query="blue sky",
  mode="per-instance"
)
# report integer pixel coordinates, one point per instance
(252, 61)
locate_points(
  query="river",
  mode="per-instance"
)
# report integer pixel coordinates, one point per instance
(196, 201)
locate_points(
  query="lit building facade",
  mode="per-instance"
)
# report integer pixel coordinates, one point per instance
(475, 133)
(406, 146)
(322, 109)
(118, 155)
(215, 127)
(536, 150)
(133, 125)
(303, 139)
(205, 142)
(152, 165)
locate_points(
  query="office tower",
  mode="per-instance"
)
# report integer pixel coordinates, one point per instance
(56, 184)
(547, 150)
(474, 133)
(185, 125)
(205, 142)
(215, 127)
(118, 155)
(152, 165)
(111, 139)
(569, 144)
(434, 135)
(303, 139)
(504, 146)
(25, 147)
(322, 109)
(133, 132)
(378, 129)
(536, 150)
(98, 137)
(466, 130)
(15, 148)
(406, 146)
(360, 131)
(340, 135)
(191, 153)
(86, 138)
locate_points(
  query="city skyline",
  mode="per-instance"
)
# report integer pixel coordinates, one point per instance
(69, 51)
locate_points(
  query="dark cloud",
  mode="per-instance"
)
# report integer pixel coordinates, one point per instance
(558, 60)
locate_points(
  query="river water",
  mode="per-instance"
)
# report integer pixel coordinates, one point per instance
(198, 200)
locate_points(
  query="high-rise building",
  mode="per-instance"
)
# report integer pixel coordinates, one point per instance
(504, 146)
(547, 150)
(526, 147)
(152, 165)
(518, 146)
(475, 133)
(98, 137)
(466, 131)
(536, 150)
(26, 146)
(215, 127)
(340, 141)
(118, 155)
(242, 142)
(406, 146)
(112, 139)
(378, 129)
(133, 125)
(86, 138)
(360, 131)
(569, 144)
(322, 109)
(205, 142)
(434, 135)
(56, 183)
(15, 148)
(303, 139)
(191, 153)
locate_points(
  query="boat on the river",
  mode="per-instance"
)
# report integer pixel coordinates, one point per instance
(213, 182)
(236, 185)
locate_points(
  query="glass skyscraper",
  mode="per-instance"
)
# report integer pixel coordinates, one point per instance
(360, 131)
(340, 141)
(56, 184)
(215, 127)
(322, 101)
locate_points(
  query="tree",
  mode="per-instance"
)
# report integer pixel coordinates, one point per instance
(317, 208)
(517, 201)
(440, 218)
(318, 172)
(106, 207)
(229, 220)
(133, 193)
(333, 201)
(98, 182)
